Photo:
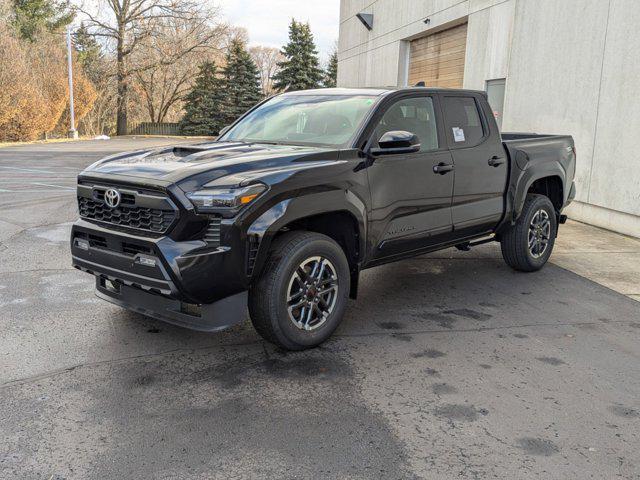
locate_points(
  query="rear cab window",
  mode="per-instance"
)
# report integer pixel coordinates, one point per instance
(463, 121)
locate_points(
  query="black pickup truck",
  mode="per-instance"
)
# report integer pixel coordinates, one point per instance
(304, 191)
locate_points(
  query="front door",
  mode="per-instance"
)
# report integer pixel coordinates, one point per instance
(411, 203)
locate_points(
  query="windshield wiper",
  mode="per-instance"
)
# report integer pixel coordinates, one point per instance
(289, 143)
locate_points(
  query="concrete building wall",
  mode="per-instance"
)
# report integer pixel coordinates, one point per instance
(571, 66)
(489, 36)
(614, 180)
(558, 92)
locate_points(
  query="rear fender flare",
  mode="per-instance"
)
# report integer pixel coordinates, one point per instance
(530, 175)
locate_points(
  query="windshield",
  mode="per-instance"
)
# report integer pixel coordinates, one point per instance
(329, 120)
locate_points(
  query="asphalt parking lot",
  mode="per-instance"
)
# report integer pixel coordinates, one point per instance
(448, 366)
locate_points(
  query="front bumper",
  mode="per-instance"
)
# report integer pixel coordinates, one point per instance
(183, 282)
(211, 317)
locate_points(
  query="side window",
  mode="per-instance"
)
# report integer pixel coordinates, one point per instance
(415, 115)
(462, 121)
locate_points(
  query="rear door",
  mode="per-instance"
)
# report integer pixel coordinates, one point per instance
(480, 164)
(411, 204)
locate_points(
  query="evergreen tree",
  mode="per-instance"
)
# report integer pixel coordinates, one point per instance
(241, 82)
(32, 16)
(331, 74)
(89, 54)
(299, 70)
(203, 107)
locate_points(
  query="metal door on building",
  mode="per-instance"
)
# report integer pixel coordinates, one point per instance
(438, 59)
(495, 96)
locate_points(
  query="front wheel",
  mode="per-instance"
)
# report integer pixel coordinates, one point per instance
(301, 295)
(527, 245)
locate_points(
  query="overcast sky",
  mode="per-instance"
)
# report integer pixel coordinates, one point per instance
(267, 21)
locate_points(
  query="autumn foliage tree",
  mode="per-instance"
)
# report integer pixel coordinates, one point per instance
(23, 105)
(34, 88)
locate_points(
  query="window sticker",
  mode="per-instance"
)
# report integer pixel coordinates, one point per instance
(458, 134)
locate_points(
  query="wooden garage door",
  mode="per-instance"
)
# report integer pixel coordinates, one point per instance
(438, 59)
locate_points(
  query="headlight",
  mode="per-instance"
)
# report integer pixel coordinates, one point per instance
(210, 199)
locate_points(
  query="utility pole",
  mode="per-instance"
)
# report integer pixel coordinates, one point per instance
(73, 133)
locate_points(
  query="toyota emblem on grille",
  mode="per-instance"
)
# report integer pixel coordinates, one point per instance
(112, 198)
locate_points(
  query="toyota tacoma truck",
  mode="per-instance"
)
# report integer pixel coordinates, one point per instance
(284, 210)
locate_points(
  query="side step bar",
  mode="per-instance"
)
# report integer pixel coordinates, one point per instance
(466, 246)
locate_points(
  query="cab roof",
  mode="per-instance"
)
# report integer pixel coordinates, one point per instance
(378, 91)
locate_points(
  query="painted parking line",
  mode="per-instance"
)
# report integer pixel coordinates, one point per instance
(28, 170)
(56, 186)
(40, 190)
(37, 177)
(31, 181)
(51, 188)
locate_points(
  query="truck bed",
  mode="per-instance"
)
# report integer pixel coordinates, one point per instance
(507, 136)
(529, 149)
(533, 155)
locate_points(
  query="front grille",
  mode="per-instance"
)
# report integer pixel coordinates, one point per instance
(127, 248)
(212, 235)
(133, 249)
(126, 198)
(139, 218)
(97, 241)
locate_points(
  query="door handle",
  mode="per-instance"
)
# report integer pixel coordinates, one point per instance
(495, 161)
(443, 168)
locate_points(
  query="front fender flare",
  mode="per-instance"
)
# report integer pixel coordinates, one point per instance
(269, 223)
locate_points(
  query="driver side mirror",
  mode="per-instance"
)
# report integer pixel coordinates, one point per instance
(396, 142)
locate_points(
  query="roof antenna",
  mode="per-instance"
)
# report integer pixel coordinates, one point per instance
(420, 84)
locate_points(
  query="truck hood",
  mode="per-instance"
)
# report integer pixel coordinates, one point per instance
(207, 162)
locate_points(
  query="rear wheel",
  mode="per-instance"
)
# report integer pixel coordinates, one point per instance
(527, 245)
(301, 295)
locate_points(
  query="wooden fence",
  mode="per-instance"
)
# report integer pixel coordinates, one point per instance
(153, 128)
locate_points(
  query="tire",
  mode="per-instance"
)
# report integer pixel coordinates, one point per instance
(291, 261)
(515, 241)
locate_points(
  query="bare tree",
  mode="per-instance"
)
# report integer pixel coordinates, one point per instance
(266, 58)
(128, 25)
(163, 86)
